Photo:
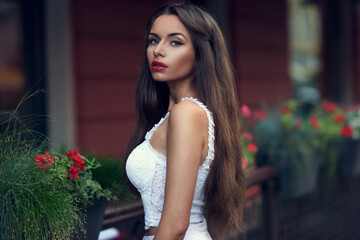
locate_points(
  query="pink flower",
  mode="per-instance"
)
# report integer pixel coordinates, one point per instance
(245, 163)
(247, 136)
(245, 111)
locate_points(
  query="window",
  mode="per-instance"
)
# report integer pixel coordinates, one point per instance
(304, 48)
(12, 78)
(22, 58)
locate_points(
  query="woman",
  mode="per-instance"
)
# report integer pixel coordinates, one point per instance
(184, 157)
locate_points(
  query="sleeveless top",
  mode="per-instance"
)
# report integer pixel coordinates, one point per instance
(146, 170)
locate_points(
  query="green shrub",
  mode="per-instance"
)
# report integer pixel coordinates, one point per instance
(32, 206)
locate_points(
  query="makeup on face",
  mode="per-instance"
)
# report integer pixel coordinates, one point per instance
(158, 66)
(170, 51)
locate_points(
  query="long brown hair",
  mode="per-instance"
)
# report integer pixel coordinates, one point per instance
(214, 81)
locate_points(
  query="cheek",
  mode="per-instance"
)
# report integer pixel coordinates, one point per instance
(186, 61)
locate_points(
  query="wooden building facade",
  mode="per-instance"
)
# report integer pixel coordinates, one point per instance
(92, 52)
(108, 50)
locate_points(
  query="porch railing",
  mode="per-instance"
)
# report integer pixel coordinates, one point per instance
(332, 211)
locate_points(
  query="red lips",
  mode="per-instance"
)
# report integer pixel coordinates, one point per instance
(158, 66)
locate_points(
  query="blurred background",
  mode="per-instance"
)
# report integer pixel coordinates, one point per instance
(86, 55)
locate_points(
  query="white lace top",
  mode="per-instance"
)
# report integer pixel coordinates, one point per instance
(146, 169)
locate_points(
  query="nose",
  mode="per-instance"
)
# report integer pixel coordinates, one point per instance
(159, 50)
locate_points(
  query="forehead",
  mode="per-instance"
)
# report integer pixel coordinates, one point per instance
(166, 24)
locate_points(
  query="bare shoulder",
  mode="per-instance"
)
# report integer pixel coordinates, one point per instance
(187, 127)
(188, 112)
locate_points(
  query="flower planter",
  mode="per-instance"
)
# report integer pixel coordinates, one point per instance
(94, 215)
(296, 179)
(349, 158)
(329, 164)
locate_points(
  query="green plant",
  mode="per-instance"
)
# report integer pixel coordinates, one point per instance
(279, 136)
(42, 191)
(32, 205)
(301, 127)
(75, 172)
(329, 122)
(283, 145)
(110, 176)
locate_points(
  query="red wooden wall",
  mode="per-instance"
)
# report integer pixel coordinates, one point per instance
(107, 46)
(261, 54)
(357, 54)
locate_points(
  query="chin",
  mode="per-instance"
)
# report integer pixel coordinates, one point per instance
(158, 78)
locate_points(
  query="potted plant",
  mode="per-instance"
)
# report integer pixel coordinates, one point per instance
(301, 138)
(43, 192)
(349, 152)
(330, 132)
(110, 176)
(87, 192)
(285, 144)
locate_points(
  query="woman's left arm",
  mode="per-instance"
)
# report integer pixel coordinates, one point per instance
(186, 138)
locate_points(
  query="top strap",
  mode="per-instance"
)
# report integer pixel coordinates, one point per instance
(211, 131)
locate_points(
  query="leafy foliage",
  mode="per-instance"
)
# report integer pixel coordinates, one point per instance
(110, 176)
(32, 204)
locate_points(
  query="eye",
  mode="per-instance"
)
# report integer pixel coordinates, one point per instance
(153, 41)
(176, 43)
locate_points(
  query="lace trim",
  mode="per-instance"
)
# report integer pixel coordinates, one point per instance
(211, 131)
(159, 155)
(158, 190)
(156, 126)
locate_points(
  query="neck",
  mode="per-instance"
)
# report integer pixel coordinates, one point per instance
(179, 91)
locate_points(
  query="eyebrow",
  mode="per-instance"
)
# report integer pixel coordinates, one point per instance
(169, 35)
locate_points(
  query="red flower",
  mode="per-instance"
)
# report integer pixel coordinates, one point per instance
(252, 147)
(75, 157)
(44, 161)
(71, 154)
(245, 111)
(286, 110)
(347, 131)
(314, 121)
(73, 172)
(260, 114)
(298, 124)
(247, 136)
(339, 118)
(79, 166)
(328, 106)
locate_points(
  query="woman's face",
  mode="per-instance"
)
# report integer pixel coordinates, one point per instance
(170, 52)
